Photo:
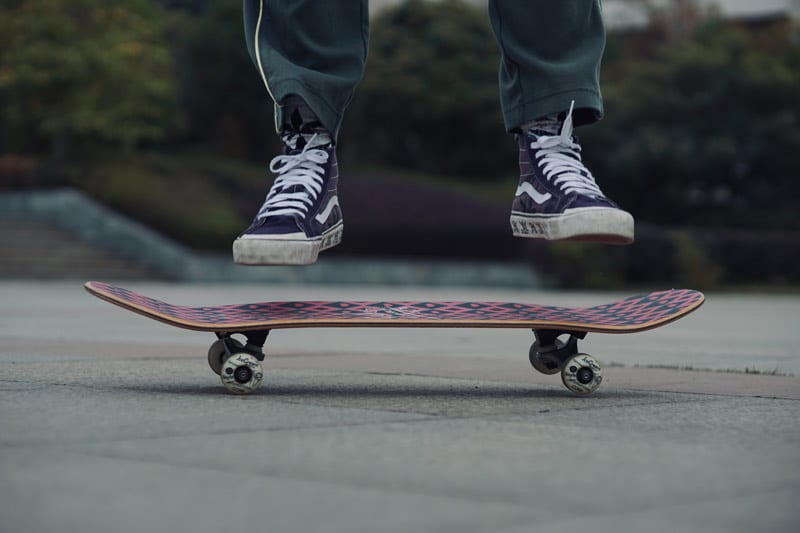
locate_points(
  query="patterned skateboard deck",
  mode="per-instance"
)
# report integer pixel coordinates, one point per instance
(637, 313)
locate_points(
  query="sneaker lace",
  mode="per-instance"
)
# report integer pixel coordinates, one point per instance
(299, 182)
(560, 160)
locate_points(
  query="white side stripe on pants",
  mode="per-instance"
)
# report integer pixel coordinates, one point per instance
(257, 46)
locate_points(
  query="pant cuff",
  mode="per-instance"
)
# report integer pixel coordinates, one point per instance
(588, 108)
(330, 118)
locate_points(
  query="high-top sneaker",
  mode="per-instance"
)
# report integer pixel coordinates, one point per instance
(557, 197)
(301, 214)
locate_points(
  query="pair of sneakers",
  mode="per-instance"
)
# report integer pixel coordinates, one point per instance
(557, 197)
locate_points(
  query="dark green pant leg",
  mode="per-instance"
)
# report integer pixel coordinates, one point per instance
(313, 48)
(550, 55)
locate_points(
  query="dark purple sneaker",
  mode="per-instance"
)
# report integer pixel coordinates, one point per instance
(301, 214)
(557, 197)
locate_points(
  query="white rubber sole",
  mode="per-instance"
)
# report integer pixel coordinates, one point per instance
(594, 224)
(292, 249)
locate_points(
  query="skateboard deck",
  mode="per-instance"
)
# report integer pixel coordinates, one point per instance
(549, 354)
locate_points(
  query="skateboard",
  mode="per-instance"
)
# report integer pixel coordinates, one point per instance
(242, 329)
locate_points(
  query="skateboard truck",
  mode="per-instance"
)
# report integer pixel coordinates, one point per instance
(547, 342)
(580, 372)
(254, 346)
(238, 365)
(550, 351)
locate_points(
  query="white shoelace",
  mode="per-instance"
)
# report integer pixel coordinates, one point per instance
(560, 159)
(299, 182)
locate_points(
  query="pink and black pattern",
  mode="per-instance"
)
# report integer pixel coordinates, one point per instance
(655, 307)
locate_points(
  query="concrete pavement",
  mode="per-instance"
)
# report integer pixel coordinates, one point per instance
(112, 422)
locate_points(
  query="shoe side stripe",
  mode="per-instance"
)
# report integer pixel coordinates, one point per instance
(536, 196)
(325, 213)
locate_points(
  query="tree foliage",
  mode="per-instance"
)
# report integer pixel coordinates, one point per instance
(77, 71)
(223, 98)
(429, 99)
(706, 131)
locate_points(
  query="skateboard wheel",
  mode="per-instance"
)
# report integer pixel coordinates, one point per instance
(241, 373)
(217, 354)
(542, 360)
(581, 374)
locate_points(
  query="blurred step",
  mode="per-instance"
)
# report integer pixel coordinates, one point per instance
(62, 233)
(36, 249)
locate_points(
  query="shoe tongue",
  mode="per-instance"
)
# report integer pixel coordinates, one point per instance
(549, 126)
(557, 124)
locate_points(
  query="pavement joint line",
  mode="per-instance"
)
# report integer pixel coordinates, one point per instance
(271, 395)
(555, 388)
(683, 502)
(511, 500)
(511, 418)
(759, 397)
(490, 379)
(410, 392)
(219, 433)
(418, 417)
(277, 474)
(543, 412)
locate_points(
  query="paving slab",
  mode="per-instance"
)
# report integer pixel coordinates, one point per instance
(111, 422)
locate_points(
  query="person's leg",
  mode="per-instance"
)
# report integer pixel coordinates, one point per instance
(315, 49)
(550, 56)
(549, 80)
(310, 55)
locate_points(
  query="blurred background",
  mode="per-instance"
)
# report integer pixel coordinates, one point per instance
(135, 138)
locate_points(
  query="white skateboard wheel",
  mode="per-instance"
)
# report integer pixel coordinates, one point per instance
(241, 373)
(581, 374)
